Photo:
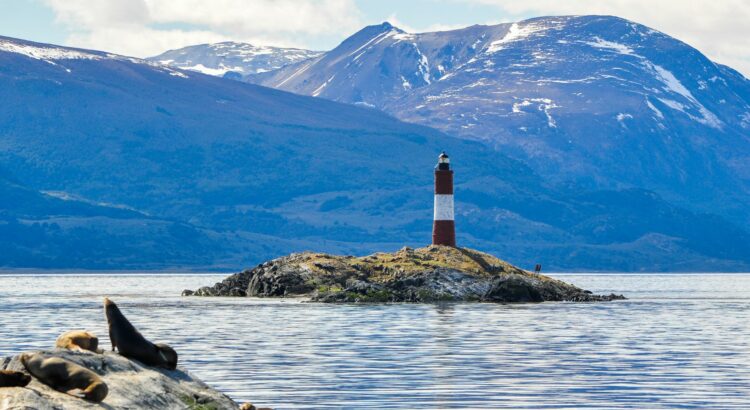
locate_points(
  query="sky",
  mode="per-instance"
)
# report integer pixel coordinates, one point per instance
(142, 28)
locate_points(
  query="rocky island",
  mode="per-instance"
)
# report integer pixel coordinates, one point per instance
(431, 274)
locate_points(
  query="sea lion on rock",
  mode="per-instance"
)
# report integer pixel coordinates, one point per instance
(66, 376)
(250, 406)
(12, 378)
(78, 340)
(131, 343)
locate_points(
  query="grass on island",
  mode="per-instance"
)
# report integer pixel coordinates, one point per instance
(192, 403)
(382, 267)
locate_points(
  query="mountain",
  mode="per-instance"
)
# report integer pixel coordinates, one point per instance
(597, 101)
(115, 162)
(47, 230)
(232, 59)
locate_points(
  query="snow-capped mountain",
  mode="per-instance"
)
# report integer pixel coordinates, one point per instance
(239, 59)
(114, 162)
(597, 100)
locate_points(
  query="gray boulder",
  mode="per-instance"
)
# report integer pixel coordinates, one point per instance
(131, 386)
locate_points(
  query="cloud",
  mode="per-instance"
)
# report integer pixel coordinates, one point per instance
(396, 22)
(147, 27)
(142, 28)
(719, 29)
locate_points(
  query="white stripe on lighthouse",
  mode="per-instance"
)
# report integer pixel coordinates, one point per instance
(443, 207)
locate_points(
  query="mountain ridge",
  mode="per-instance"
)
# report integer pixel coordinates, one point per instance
(232, 59)
(226, 174)
(595, 100)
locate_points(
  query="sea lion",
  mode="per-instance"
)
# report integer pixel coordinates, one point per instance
(131, 343)
(250, 406)
(12, 378)
(78, 340)
(66, 376)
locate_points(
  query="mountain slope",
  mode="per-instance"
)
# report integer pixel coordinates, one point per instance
(204, 151)
(232, 59)
(596, 100)
(49, 231)
(221, 173)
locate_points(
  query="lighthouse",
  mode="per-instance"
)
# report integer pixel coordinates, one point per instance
(443, 227)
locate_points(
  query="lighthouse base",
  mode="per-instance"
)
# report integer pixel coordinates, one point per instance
(444, 233)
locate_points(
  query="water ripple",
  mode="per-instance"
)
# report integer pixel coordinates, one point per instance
(681, 341)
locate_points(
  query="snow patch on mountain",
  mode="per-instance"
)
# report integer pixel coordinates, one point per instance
(401, 36)
(47, 53)
(221, 70)
(674, 85)
(176, 73)
(516, 32)
(543, 104)
(656, 111)
(65, 196)
(424, 65)
(219, 59)
(517, 106)
(622, 117)
(610, 45)
(405, 83)
(545, 107)
(322, 86)
(296, 73)
(671, 83)
(56, 55)
(373, 41)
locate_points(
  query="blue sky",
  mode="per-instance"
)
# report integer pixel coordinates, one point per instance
(143, 28)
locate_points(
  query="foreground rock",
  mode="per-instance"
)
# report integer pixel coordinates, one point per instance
(131, 386)
(430, 274)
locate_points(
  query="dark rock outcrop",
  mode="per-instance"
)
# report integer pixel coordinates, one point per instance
(430, 274)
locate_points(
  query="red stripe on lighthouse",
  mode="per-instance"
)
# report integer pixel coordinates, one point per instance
(443, 182)
(444, 233)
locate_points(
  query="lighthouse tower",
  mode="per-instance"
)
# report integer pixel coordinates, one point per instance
(443, 227)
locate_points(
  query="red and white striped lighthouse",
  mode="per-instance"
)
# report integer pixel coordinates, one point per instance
(443, 227)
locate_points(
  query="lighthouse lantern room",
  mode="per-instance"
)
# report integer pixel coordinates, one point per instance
(443, 226)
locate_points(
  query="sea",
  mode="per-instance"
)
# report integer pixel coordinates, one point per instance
(678, 341)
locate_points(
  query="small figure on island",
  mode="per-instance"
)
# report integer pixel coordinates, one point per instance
(537, 268)
(443, 226)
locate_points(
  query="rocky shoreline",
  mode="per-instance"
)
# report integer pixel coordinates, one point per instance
(423, 275)
(131, 385)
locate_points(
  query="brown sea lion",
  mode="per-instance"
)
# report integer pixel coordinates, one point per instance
(250, 406)
(131, 343)
(78, 340)
(66, 376)
(12, 378)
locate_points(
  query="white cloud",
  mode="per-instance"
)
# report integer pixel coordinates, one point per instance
(400, 24)
(141, 28)
(147, 27)
(718, 28)
(396, 22)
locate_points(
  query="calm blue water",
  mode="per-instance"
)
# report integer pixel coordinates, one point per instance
(681, 341)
